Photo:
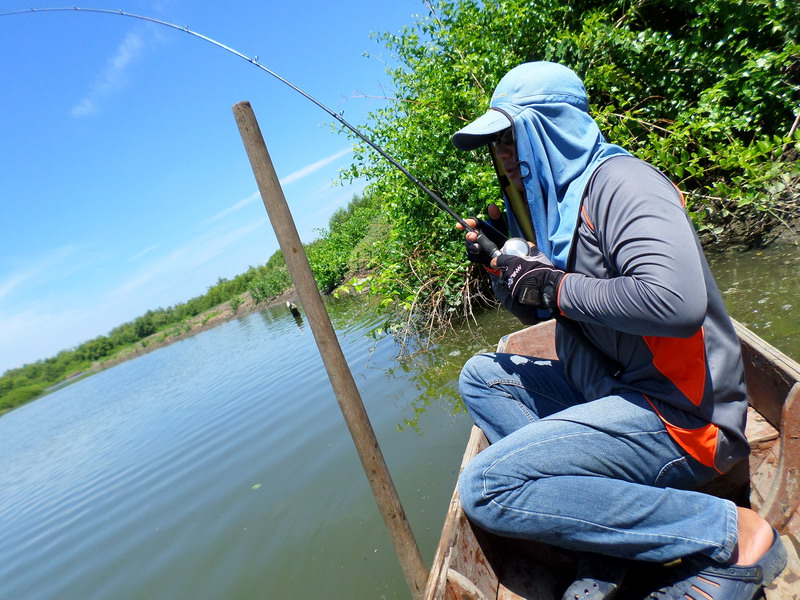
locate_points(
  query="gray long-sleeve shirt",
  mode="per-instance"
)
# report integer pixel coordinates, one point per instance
(641, 291)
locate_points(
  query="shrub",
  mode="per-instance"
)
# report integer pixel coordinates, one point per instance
(706, 90)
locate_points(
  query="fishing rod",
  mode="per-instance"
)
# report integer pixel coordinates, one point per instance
(514, 246)
(484, 242)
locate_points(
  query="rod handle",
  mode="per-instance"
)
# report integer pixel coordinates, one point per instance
(487, 245)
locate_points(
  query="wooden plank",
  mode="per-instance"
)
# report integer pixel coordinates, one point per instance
(537, 340)
(787, 584)
(784, 497)
(769, 374)
(764, 447)
(462, 588)
(750, 481)
(458, 550)
(470, 558)
(344, 386)
(533, 571)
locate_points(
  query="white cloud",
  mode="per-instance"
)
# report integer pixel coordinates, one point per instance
(15, 280)
(142, 253)
(113, 77)
(190, 256)
(291, 178)
(35, 334)
(234, 208)
(55, 261)
(313, 167)
(339, 200)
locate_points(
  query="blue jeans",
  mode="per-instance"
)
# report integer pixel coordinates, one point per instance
(601, 476)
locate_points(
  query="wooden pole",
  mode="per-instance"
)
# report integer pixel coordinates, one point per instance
(341, 378)
(794, 125)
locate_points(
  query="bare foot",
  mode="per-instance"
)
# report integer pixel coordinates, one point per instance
(755, 538)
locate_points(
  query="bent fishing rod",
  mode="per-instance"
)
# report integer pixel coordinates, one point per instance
(484, 242)
(514, 246)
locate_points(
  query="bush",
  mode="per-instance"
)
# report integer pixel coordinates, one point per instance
(333, 256)
(705, 90)
(20, 395)
(271, 285)
(235, 303)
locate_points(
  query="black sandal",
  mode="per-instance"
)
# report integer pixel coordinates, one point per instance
(703, 578)
(598, 577)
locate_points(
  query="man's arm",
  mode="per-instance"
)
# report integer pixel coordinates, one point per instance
(656, 285)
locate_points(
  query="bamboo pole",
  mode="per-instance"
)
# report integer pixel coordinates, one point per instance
(341, 378)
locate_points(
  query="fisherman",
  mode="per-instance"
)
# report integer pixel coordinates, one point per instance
(600, 451)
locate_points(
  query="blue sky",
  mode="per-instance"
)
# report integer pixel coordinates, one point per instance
(125, 185)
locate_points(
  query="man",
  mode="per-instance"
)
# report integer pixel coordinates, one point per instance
(599, 451)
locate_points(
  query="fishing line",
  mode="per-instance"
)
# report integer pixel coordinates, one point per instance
(516, 246)
(254, 61)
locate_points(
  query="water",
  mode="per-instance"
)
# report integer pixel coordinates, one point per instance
(220, 466)
(760, 289)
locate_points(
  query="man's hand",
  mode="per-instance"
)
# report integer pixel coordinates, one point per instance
(531, 280)
(495, 229)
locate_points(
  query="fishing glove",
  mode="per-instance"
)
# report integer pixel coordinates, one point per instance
(531, 280)
(494, 229)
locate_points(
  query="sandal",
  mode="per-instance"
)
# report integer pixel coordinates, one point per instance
(705, 579)
(598, 577)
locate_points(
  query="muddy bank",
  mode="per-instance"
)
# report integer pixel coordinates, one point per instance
(203, 322)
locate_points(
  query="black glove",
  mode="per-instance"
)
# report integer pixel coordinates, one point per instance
(494, 229)
(531, 280)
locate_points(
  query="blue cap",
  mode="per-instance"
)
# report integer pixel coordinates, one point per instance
(523, 86)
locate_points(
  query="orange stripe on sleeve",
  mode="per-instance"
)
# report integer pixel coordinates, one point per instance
(680, 193)
(585, 216)
(558, 294)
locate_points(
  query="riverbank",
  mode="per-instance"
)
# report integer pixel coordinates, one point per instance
(209, 319)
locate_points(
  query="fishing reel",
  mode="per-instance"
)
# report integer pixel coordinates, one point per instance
(513, 246)
(519, 247)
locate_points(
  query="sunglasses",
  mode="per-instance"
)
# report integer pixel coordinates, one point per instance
(505, 137)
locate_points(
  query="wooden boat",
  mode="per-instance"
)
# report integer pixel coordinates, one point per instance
(471, 564)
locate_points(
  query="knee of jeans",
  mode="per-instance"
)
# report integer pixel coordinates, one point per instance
(468, 371)
(479, 497)
(471, 374)
(471, 493)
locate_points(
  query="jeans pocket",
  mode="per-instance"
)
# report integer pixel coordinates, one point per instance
(684, 473)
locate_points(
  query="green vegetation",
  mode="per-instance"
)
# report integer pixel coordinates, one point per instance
(235, 303)
(707, 90)
(339, 250)
(336, 253)
(210, 315)
(271, 280)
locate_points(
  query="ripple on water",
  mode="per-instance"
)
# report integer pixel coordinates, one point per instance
(145, 442)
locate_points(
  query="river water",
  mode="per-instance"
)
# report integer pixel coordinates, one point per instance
(220, 467)
(761, 289)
